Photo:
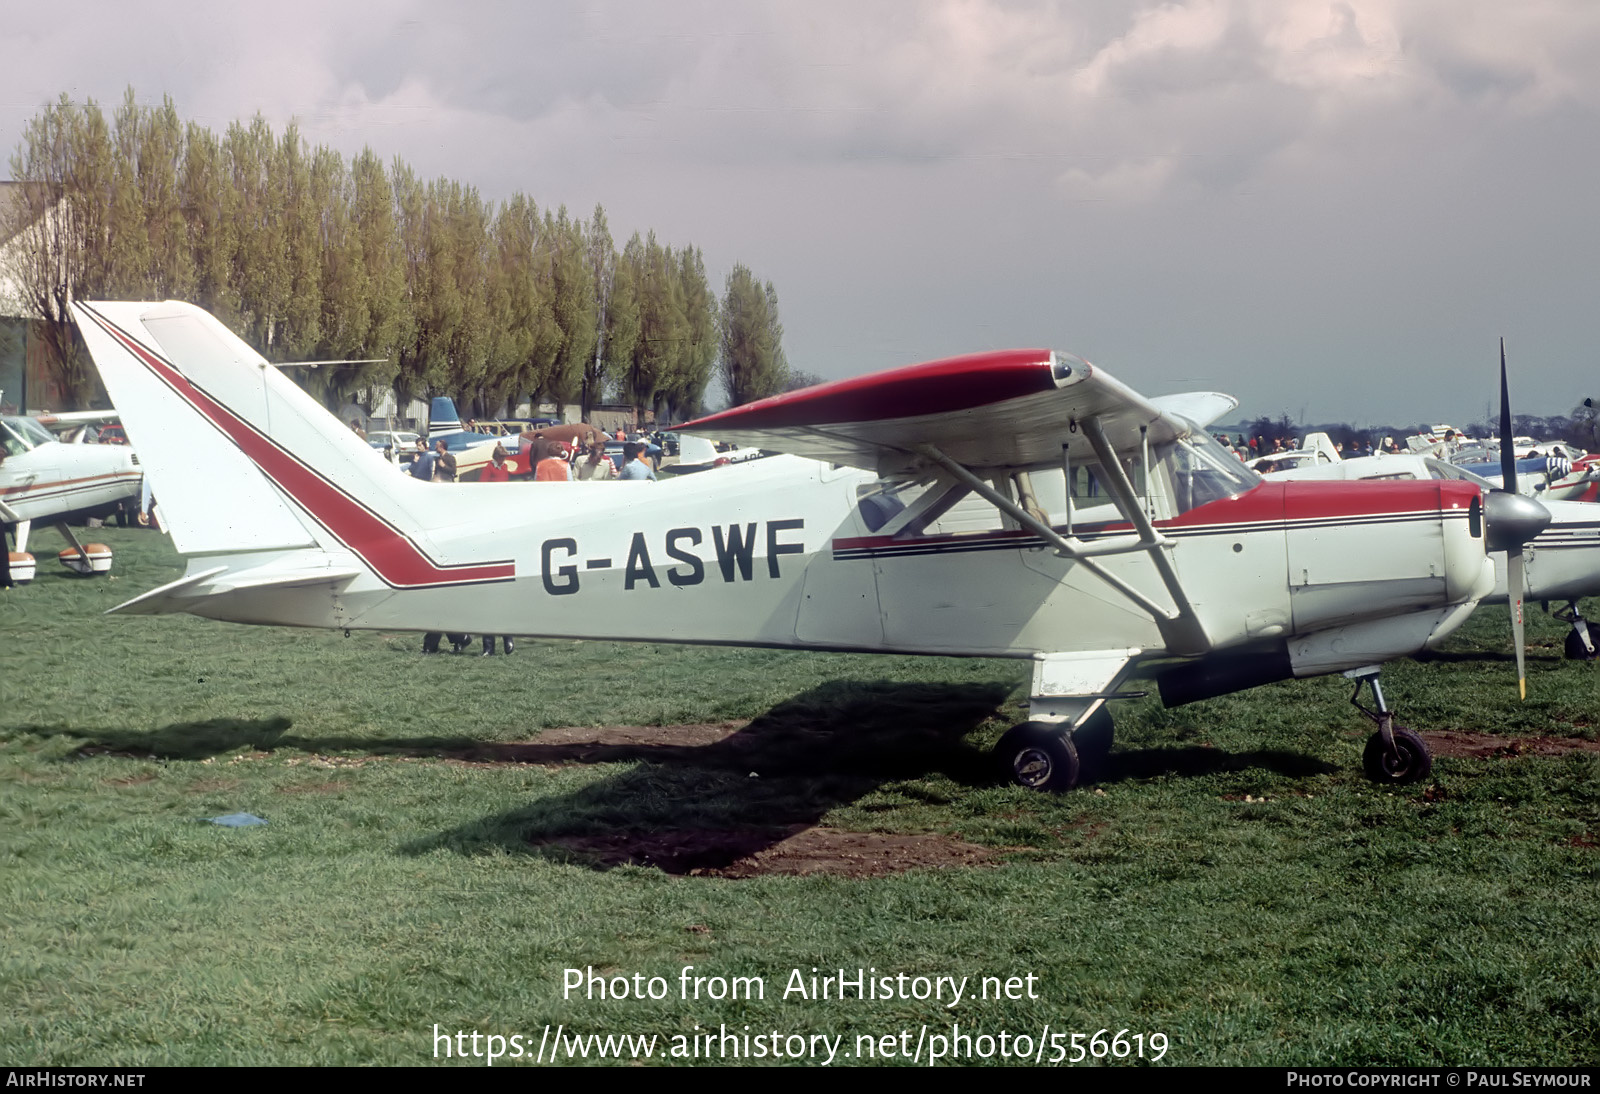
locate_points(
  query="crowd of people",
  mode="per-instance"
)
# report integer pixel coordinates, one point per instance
(583, 458)
(1262, 446)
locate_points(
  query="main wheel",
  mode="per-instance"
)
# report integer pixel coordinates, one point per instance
(1412, 762)
(1575, 649)
(1039, 756)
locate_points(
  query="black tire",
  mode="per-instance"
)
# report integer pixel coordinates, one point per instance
(1575, 650)
(1039, 756)
(1413, 763)
(1093, 741)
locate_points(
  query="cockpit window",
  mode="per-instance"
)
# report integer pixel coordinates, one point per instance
(1438, 469)
(23, 434)
(1203, 472)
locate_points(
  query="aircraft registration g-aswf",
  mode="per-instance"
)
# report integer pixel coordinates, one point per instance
(1012, 504)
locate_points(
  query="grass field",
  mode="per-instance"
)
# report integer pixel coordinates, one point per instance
(1233, 884)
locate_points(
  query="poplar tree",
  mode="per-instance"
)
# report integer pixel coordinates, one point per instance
(663, 328)
(126, 246)
(524, 334)
(684, 396)
(602, 258)
(622, 327)
(467, 243)
(260, 266)
(57, 222)
(753, 365)
(386, 321)
(299, 328)
(572, 301)
(208, 204)
(159, 151)
(416, 347)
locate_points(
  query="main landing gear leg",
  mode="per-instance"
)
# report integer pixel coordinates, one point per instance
(1394, 754)
(1582, 643)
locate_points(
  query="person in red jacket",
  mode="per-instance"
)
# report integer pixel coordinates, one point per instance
(496, 470)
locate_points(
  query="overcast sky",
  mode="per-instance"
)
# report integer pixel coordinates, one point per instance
(1333, 209)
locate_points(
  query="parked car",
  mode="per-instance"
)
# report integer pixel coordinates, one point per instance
(383, 439)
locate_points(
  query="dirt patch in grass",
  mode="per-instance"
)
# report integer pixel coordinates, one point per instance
(131, 780)
(1485, 746)
(587, 744)
(316, 788)
(755, 852)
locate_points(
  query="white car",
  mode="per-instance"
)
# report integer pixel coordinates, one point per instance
(382, 439)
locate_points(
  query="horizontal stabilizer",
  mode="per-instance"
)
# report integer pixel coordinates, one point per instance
(283, 579)
(212, 582)
(158, 600)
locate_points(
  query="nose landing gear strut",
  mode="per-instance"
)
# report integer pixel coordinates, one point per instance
(1394, 754)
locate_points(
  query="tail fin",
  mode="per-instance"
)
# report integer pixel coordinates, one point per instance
(213, 497)
(695, 449)
(443, 416)
(1321, 442)
(242, 459)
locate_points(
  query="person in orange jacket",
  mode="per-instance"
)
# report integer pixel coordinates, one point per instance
(554, 467)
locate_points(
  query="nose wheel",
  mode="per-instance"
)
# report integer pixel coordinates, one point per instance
(1394, 754)
(1583, 644)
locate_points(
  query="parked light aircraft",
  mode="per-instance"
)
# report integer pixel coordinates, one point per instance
(1562, 562)
(42, 479)
(1011, 504)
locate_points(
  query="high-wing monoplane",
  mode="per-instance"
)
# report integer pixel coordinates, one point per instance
(43, 480)
(1014, 504)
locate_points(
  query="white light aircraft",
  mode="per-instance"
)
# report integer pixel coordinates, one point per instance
(42, 479)
(1562, 562)
(1012, 504)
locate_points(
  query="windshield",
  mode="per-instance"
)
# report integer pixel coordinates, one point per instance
(26, 431)
(1203, 471)
(1441, 470)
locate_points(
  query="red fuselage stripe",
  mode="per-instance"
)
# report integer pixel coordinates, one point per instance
(392, 556)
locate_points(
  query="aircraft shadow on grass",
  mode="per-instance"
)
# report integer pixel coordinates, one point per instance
(693, 806)
(706, 806)
(219, 736)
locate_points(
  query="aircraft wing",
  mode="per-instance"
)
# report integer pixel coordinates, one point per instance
(76, 417)
(1005, 409)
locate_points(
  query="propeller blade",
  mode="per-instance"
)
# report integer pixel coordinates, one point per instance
(1516, 591)
(1508, 453)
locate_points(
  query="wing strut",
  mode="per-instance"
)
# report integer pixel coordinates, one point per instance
(1189, 637)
